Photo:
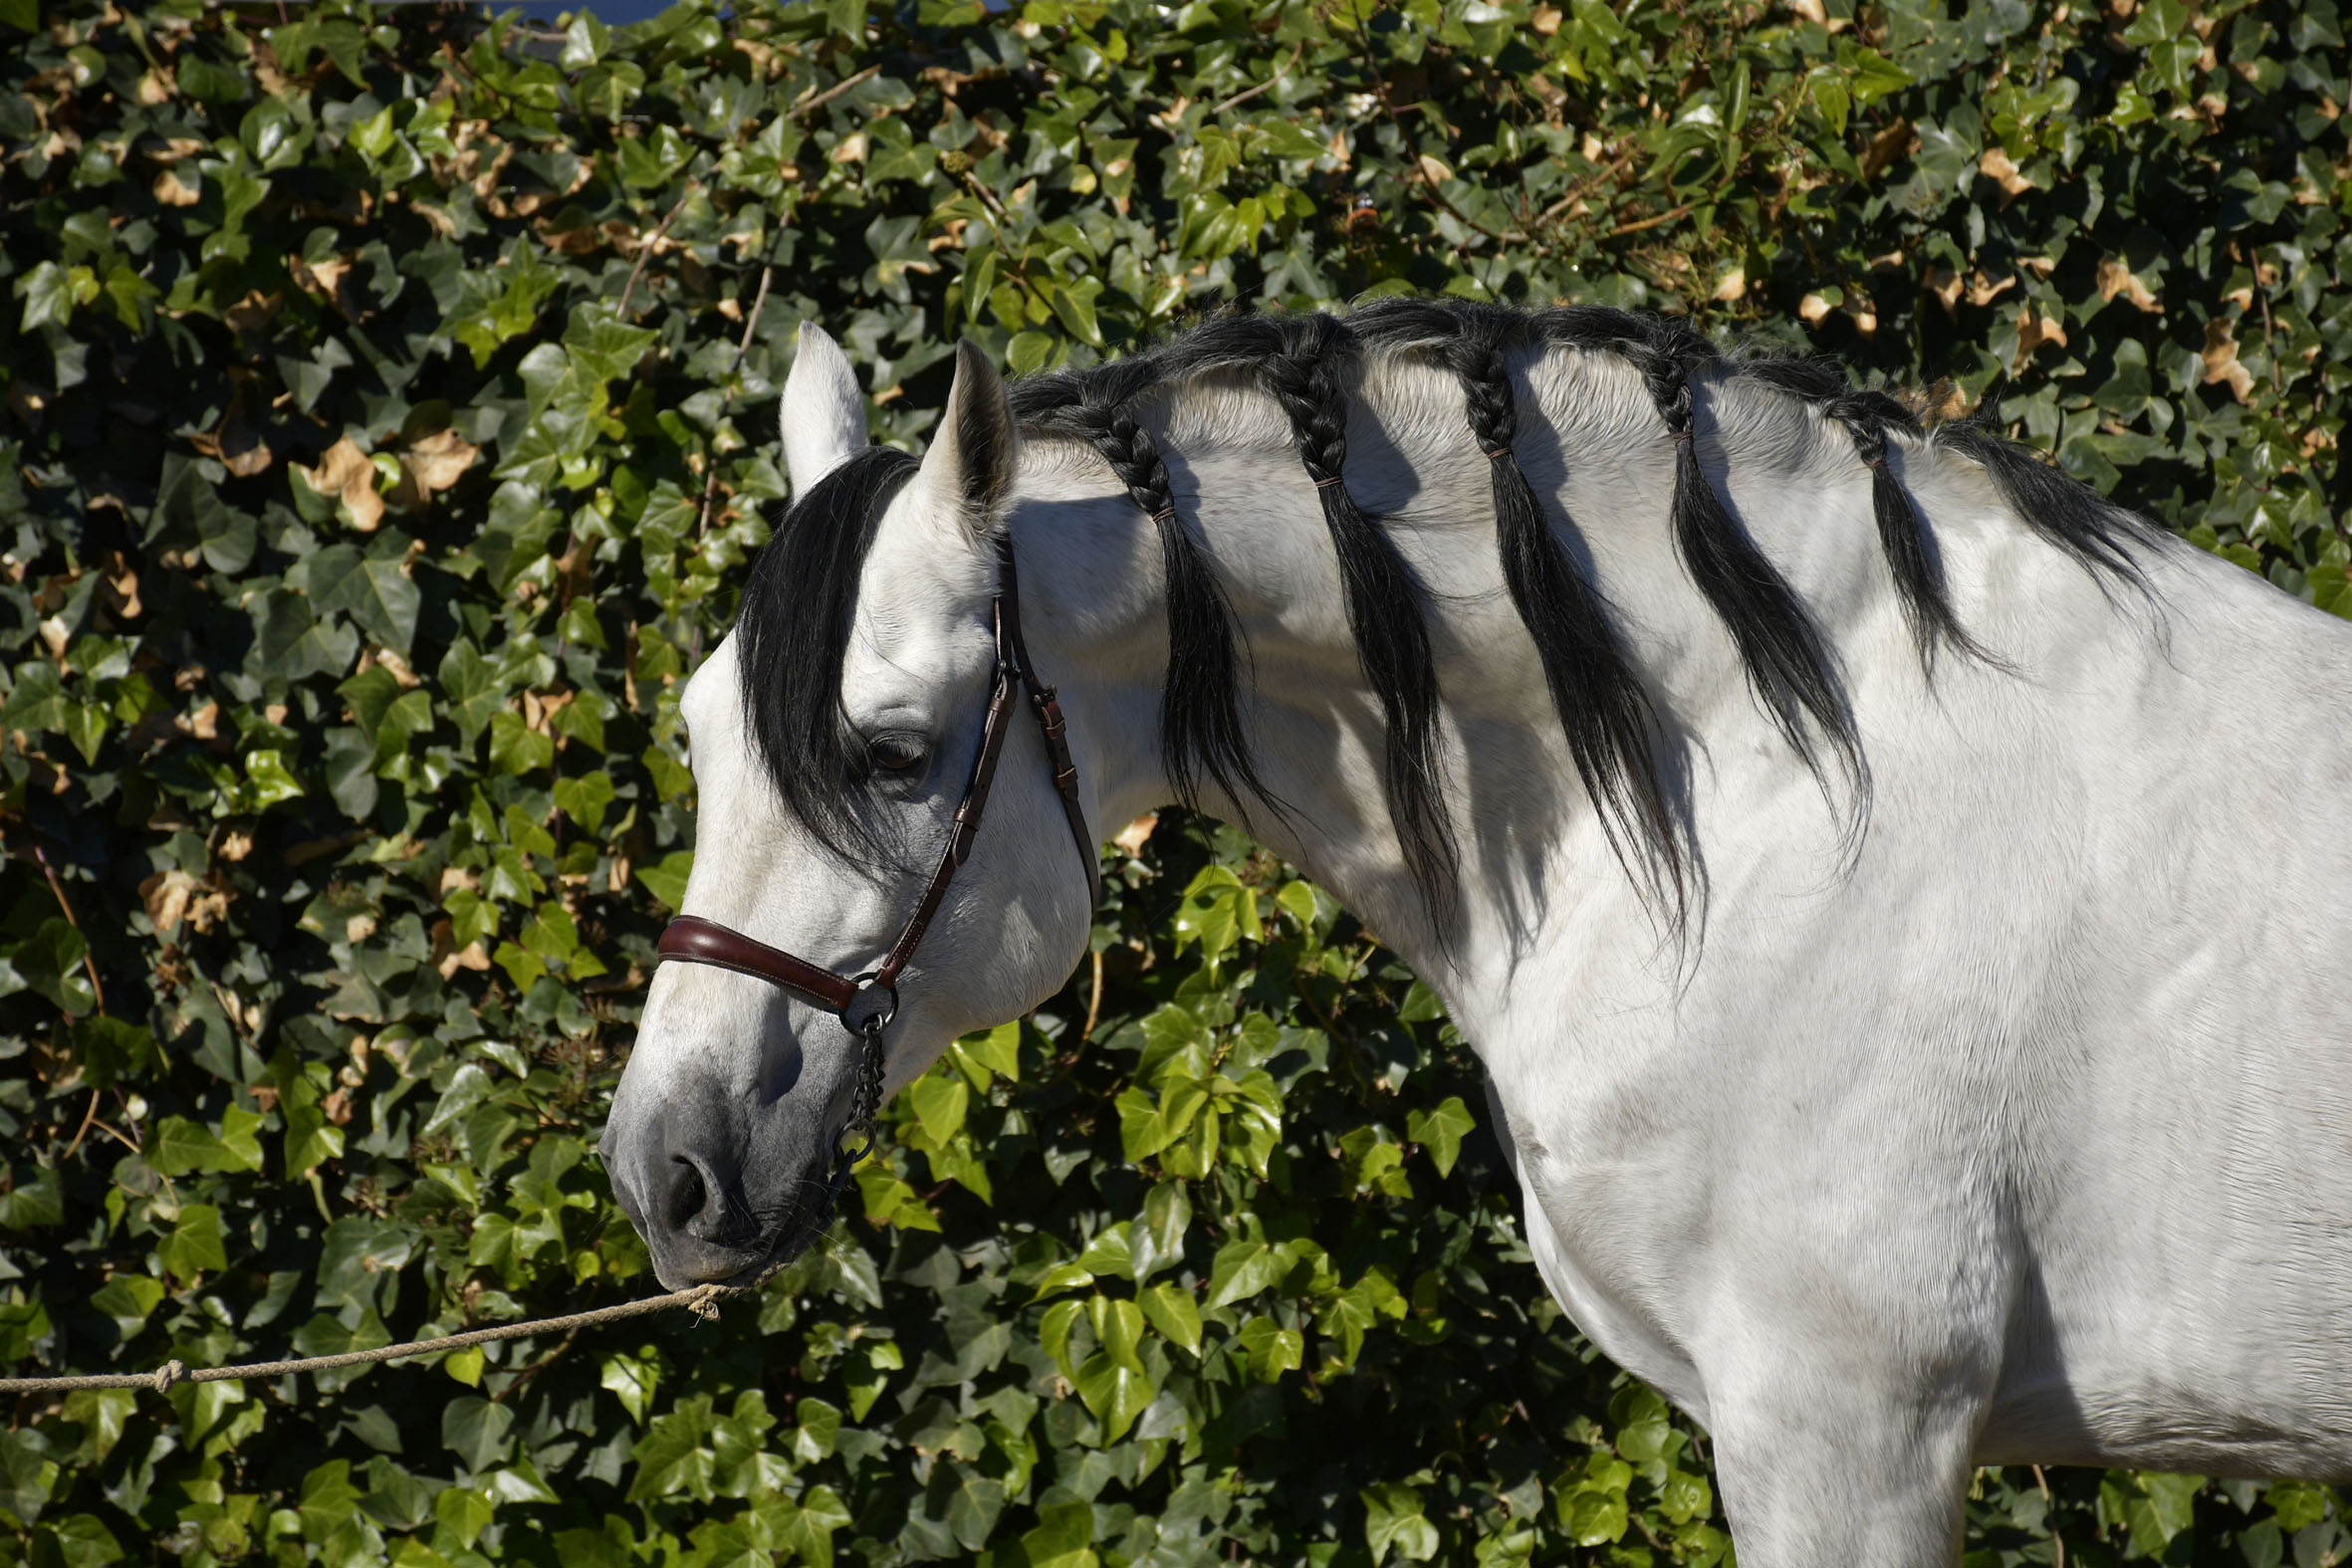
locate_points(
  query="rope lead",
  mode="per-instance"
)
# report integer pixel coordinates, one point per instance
(701, 1300)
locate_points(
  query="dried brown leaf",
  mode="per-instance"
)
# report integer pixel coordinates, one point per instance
(347, 473)
(2116, 278)
(1889, 144)
(1984, 289)
(436, 461)
(120, 588)
(2034, 330)
(2221, 364)
(328, 274)
(174, 898)
(174, 188)
(1944, 283)
(1997, 166)
(449, 957)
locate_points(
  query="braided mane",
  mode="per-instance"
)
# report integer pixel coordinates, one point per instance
(1603, 709)
(796, 603)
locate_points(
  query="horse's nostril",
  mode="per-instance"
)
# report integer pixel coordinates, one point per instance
(687, 1195)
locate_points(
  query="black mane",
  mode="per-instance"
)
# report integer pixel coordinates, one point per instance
(792, 654)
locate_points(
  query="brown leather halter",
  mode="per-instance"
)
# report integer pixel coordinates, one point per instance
(866, 1003)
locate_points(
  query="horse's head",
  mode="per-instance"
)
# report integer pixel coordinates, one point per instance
(833, 735)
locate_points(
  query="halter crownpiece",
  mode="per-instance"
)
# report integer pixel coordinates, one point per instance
(866, 1003)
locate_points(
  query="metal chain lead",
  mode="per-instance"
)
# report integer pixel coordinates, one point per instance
(861, 1111)
(870, 1086)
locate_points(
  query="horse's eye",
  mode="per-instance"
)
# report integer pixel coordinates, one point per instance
(897, 752)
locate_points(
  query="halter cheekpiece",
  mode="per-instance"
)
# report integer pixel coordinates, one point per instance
(866, 1003)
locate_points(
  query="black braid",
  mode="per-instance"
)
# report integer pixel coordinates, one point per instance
(1787, 666)
(1201, 728)
(1902, 536)
(1384, 604)
(2102, 537)
(1603, 709)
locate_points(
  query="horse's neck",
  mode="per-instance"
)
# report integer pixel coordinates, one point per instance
(1534, 860)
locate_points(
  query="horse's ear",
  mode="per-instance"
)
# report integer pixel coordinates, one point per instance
(968, 473)
(823, 417)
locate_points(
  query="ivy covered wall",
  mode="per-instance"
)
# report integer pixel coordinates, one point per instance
(387, 411)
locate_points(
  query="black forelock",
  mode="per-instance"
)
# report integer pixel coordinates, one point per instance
(792, 641)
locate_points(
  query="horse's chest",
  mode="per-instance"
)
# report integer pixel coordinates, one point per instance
(1617, 1205)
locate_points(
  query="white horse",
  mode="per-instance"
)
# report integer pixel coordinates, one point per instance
(1902, 904)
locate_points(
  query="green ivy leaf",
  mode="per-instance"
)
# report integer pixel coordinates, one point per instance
(179, 1146)
(1064, 1538)
(49, 294)
(372, 589)
(973, 1509)
(1114, 1391)
(516, 749)
(1245, 1267)
(129, 1301)
(631, 1381)
(1156, 1240)
(1441, 1130)
(1171, 1309)
(665, 879)
(194, 1245)
(1394, 1521)
(811, 1525)
(940, 1100)
(28, 1476)
(292, 643)
(465, 1366)
(1270, 1349)
(475, 1430)
(586, 800)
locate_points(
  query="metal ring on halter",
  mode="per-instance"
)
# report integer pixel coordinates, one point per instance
(871, 1008)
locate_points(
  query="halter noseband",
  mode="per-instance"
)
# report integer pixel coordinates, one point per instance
(866, 1003)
